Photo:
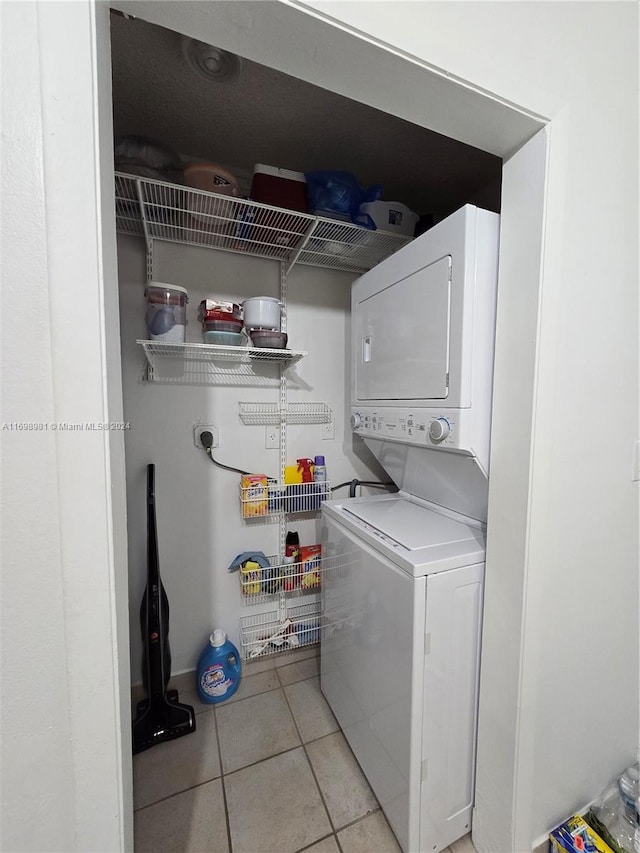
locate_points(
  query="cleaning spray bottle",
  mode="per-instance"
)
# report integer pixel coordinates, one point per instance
(305, 467)
(219, 669)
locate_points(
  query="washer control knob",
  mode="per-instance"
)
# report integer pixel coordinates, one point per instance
(356, 420)
(439, 429)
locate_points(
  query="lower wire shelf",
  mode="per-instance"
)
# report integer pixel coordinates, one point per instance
(284, 629)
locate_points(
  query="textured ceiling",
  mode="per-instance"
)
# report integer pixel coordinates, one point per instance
(264, 116)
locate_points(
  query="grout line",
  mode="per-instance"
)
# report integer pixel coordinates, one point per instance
(261, 760)
(224, 790)
(278, 686)
(364, 817)
(306, 755)
(317, 841)
(177, 793)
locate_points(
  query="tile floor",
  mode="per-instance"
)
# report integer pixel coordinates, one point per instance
(267, 771)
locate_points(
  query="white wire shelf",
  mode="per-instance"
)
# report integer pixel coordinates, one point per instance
(268, 414)
(279, 630)
(178, 214)
(213, 362)
(261, 584)
(264, 497)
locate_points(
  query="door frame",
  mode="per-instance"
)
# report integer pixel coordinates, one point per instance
(519, 134)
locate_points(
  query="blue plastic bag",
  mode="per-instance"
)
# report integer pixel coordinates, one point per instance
(339, 196)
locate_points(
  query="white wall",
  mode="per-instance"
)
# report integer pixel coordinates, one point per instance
(577, 64)
(66, 753)
(583, 513)
(200, 528)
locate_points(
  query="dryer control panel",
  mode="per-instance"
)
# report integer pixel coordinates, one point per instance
(424, 427)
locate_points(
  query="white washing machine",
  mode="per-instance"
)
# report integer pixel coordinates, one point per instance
(402, 607)
(403, 574)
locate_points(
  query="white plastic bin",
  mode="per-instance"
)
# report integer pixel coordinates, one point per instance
(166, 312)
(391, 216)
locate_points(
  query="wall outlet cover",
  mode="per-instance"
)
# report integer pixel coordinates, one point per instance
(329, 430)
(271, 437)
(199, 428)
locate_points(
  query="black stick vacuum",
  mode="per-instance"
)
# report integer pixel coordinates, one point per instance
(160, 716)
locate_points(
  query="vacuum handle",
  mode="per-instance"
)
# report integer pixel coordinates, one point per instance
(152, 532)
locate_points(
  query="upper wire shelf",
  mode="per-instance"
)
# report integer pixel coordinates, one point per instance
(161, 211)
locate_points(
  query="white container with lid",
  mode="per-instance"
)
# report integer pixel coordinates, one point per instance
(391, 216)
(166, 313)
(262, 312)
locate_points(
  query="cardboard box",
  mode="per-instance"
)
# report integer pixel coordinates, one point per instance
(310, 566)
(576, 836)
(254, 495)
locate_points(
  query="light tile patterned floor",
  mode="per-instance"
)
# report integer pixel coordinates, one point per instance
(267, 771)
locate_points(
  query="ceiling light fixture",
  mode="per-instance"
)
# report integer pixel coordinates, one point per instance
(209, 61)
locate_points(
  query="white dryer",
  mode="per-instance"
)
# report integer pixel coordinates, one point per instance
(403, 574)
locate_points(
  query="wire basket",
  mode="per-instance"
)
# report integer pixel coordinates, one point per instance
(268, 497)
(276, 631)
(260, 584)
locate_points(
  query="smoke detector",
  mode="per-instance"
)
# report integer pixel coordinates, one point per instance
(210, 62)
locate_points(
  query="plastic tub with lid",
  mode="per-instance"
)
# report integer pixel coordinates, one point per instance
(228, 325)
(166, 313)
(211, 177)
(225, 339)
(212, 214)
(391, 216)
(262, 312)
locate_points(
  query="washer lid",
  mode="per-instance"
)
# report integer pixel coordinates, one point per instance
(414, 527)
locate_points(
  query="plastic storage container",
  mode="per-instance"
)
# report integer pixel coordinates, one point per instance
(211, 177)
(391, 216)
(228, 325)
(166, 312)
(269, 339)
(279, 187)
(225, 339)
(613, 814)
(219, 669)
(262, 312)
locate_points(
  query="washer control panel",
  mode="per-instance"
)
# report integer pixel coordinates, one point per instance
(423, 427)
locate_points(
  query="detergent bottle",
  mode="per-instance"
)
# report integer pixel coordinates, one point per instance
(219, 670)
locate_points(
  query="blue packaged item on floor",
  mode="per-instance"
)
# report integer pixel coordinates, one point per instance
(218, 672)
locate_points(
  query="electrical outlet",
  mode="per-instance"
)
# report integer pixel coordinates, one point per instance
(198, 429)
(329, 430)
(271, 437)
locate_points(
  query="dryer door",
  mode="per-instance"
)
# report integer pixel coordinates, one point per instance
(402, 337)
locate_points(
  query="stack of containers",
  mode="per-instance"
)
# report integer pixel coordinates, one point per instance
(221, 322)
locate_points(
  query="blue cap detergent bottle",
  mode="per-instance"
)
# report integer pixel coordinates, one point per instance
(218, 669)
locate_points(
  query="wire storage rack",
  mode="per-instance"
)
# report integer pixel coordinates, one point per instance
(261, 584)
(274, 631)
(269, 414)
(161, 211)
(263, 497)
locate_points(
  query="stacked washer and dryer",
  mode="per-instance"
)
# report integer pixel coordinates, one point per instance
(403, 574)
